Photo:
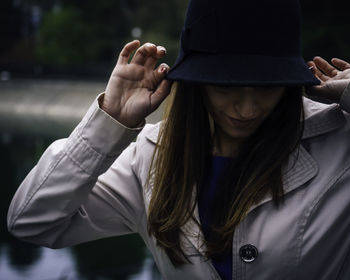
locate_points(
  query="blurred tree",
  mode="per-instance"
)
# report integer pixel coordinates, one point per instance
(161, 16)
(65, 38)
(94, 31)
(83, 31)
(161, 23)
(10, 24)
(110, 21)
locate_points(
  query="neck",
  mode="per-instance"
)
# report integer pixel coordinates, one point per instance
(225, 146)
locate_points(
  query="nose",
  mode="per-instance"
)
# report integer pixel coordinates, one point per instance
(246, 107)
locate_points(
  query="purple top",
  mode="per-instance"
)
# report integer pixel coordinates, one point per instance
(215, 165)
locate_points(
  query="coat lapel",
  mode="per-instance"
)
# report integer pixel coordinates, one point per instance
(300, 169)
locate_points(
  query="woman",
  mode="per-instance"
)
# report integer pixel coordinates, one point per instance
(233, 183)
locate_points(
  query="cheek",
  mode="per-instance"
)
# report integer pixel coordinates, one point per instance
(221, 102)
(219, 110)
(269, 105)
(215, 105)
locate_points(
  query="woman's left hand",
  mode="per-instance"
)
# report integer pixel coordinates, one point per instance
(334, 78)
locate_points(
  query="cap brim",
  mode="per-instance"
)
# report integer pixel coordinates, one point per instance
(243, 70)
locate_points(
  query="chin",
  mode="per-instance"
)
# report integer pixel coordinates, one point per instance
(239, 134)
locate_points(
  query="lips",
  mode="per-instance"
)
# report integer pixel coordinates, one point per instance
(242, 123)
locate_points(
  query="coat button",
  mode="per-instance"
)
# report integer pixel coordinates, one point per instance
(248, 253)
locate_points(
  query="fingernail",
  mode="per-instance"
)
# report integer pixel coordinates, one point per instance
(164, 69)
(162, 49)
(313, 70)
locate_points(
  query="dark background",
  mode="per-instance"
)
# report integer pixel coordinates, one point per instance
(82, 38)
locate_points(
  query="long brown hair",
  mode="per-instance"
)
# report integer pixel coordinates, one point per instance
(178, 165)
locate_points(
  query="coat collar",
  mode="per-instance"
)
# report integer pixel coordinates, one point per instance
(321, 118)
(153, 134)
(301, 167)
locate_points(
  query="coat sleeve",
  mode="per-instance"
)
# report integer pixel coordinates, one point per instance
(83, 187)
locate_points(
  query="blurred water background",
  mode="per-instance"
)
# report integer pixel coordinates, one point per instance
(55, 57)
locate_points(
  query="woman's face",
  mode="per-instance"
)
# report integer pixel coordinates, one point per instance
(238, 111)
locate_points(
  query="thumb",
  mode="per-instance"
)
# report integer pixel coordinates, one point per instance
(160, 94)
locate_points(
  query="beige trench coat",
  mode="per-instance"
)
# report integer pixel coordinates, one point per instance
(91, 186)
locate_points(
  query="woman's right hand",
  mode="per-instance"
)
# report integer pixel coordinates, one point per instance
(136, 89)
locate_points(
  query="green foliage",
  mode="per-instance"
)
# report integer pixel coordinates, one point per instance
(65, 38)
(161, 22)
(94, 31)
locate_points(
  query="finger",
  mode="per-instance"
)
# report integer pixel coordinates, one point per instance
(151, 62)
(318, 74)
(160, 73)
(128, 49)
(312, 67)
(146, 51)
(325, 67)
(341, 64)
(160, 94)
